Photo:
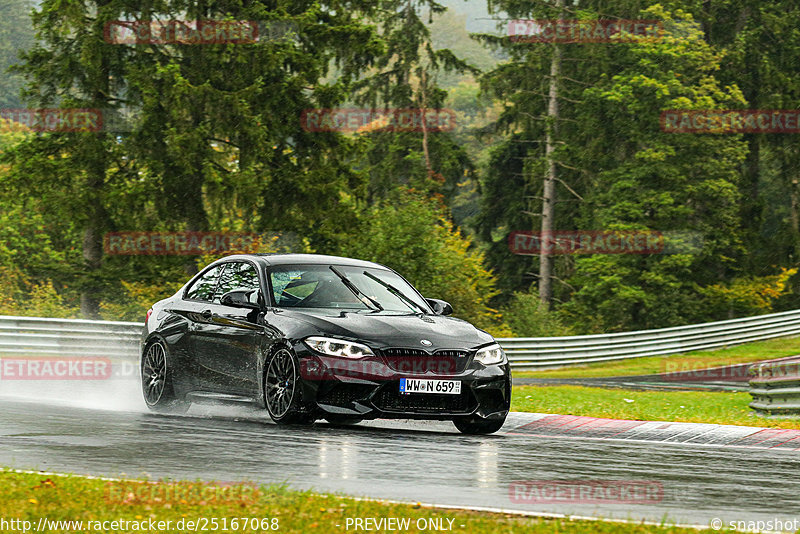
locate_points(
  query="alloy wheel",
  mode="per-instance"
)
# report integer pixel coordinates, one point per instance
(154, 373)
(281, 383)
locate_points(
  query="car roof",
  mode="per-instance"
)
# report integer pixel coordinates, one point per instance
(303, 259)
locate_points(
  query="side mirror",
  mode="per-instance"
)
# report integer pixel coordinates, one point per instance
(239, 298)
(440, 307)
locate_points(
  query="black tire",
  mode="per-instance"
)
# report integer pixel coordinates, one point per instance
(478, 426)
(156, 373)
(283, 395)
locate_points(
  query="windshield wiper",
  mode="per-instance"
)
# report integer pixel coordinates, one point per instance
(366, 300)
(397, 293)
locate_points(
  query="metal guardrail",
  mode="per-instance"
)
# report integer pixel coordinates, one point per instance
(29, 336)
(543, 352)
(120, 340)
(775, 387)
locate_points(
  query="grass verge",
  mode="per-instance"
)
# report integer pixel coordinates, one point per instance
(750, 352)
(723, 408)
(30, 497)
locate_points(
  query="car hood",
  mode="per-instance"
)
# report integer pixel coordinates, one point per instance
(393, 329)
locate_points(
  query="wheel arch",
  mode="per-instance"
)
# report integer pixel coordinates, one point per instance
(149, 340)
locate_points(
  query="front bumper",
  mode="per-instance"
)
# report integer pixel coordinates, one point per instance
(370, 388)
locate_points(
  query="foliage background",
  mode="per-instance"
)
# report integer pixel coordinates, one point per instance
(213, 142)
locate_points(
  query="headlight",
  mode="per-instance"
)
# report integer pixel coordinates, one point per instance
(338, 347)
(491, 355)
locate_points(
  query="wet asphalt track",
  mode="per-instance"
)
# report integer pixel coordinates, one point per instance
(407, 461)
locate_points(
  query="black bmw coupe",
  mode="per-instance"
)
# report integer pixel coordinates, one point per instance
(311, 336)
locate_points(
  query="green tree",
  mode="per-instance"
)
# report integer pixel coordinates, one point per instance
(228, 144)
(413, 235)
(406, 76)
(679, 183)
(73, 68)
(513, 184)
(760, 40)
(208, 144)
(16, 34)
(525, 317)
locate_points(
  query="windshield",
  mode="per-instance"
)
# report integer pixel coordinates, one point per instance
(318, 286)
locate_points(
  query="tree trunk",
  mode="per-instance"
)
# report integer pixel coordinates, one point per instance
(425, 148)
(97, 220)
(92, 253)
(549, 194)
(795, 218)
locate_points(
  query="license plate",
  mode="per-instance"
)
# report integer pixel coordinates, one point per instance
(441, 387)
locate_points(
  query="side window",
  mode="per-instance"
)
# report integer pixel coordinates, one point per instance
(203, 288)
(238, 275)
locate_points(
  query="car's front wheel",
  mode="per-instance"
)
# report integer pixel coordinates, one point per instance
(283, 389)
(157, 381)
(478, 426)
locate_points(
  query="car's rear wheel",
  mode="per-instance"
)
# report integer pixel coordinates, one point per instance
(157, 389)
(478, 426)
(283, 394)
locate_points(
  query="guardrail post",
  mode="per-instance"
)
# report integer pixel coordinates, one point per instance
(775, 387)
